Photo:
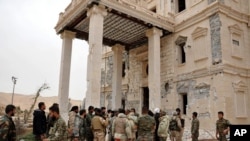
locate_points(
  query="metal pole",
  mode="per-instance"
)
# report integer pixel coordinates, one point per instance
(14, 83)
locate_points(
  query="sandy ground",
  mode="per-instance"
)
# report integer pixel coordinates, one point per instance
(25, 101)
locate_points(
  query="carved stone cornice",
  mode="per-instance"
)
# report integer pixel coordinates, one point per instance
(211, 9)
(97, 9)
(199, 31)
(208, 71)
(77, 7)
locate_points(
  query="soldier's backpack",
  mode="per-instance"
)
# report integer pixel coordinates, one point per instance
(173, 125)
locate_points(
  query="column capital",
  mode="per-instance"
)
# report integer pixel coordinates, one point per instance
(118, 47)
(97, 9)
(153, 31)
(68, 34)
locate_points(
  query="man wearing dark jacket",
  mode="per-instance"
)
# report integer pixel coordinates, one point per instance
(39, 122)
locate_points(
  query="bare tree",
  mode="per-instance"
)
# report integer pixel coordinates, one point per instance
(27, 114)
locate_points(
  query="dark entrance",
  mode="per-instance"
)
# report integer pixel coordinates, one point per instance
(185, 103)
(145, 97)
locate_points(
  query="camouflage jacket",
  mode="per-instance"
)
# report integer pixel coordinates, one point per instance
(146, 125)
(59, 131)
(195, 126)
(7, 129)
(88, 119)
(82, 127)
(221, 125)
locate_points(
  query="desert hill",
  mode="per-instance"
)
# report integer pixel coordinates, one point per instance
(25, 101)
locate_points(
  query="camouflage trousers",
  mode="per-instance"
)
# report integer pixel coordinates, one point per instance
(222, 137)
(195, 138)
(99, 136)
(175, 136)
(163, 138)
(145, 138)
(89, 135)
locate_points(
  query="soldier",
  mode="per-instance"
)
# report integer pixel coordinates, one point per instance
(157, 122)
(99, 124)
(175, 128)
(89, 116)
(39, 122)
(222, 127)
(71, 123)
(133, 110)
(121, 128)
(133, 120)
(50, 120)
(82, 126)
(178, 110)
(7, 126)
(146, 126)
(195, 127)
(59, 131)
(163, 126)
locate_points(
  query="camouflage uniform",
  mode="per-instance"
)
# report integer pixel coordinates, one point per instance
(146, 127)
(98, 125)
(175, 132)
(7, 129)
(82, 129)
(71, 124)
(121, 128)
(89, 133)
(221, 125)
(59, 131)
(195, 129)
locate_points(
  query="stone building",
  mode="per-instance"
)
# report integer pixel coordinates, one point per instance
(191, 54)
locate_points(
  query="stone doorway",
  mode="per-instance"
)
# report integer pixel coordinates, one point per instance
(145, 97)
(184, 103)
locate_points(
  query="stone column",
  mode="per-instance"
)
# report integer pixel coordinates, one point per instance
(96, 18)
(117, 76)
(63, 98)
(168, 8)
(161, 7)
(154, 65)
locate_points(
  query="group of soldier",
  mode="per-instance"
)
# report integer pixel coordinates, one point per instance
(99, 125)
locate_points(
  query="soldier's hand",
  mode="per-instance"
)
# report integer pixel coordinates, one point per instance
(42, 136)
(225, 132)
(45, 140)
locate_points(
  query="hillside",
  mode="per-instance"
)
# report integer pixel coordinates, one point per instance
(25, 101)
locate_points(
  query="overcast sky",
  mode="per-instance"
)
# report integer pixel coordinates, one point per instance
(30, 49)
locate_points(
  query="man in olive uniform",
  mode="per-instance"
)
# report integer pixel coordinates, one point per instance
(59, 131)
(146, 126)
(89, 116)
(222, 127)
(7, 126)
(99, 124)
(195, 127)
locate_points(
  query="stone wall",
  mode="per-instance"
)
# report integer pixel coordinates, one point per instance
(215, 27)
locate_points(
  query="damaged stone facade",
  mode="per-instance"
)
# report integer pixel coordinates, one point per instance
(215, 74)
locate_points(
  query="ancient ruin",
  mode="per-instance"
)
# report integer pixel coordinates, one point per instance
(191, 54)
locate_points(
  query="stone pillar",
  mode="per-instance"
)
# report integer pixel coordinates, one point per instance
(63, 98)
(96, 18)
(161, 7)
(117, 76)
(154, 65)
(168, 7)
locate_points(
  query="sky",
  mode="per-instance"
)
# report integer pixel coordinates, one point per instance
(30, 49)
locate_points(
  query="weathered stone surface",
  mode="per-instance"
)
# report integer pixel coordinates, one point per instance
(215, 28)
(211, 1)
